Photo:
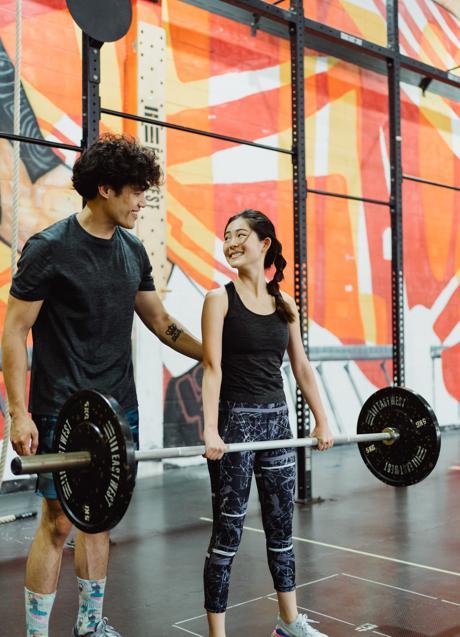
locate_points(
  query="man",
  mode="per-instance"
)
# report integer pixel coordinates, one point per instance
(77, 287)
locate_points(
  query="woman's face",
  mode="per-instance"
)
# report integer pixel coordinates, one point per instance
(242, 246)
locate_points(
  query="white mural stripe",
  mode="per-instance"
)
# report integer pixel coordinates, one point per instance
(367, 5)
(69, 155)
(322, 129)
(69, 128)
(443, 24)
(363, 262)
(246, 164)
(413, 7)
(322, 63)
(231, 87)
(407, 33)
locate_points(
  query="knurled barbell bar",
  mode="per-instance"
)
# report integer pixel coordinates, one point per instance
(94, 464)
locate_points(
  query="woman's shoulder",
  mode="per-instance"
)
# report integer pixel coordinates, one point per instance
(288, 299)
(217, 296)
(217, 293)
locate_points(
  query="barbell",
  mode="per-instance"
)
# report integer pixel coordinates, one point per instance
(94, 459)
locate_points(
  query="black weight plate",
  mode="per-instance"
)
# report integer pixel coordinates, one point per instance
(414, 455)
(103, 20)
(95, 498)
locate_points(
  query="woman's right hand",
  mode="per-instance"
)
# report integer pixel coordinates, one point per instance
(214, 445)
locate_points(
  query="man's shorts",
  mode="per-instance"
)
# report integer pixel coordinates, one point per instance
(46, 426)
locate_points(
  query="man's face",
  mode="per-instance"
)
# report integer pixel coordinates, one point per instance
(123, 209)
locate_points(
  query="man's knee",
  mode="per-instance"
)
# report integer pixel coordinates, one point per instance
(93, 539)
(55, 522)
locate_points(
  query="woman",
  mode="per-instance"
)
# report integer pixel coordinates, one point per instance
(247, 327)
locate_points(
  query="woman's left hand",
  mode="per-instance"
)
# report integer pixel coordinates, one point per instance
(324, 436)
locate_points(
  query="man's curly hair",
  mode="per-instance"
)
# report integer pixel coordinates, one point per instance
(115, 161)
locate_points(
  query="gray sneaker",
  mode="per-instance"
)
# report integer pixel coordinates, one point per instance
(102, 630)
(299, 628)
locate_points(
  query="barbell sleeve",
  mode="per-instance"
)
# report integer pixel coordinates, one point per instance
(50, 462)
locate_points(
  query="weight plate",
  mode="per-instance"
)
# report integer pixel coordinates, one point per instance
(413, 456)
(103, 20)
(95, 498)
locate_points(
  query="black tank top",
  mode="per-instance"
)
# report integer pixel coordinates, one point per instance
(253, 347)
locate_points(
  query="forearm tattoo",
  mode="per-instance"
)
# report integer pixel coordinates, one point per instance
(173, 331)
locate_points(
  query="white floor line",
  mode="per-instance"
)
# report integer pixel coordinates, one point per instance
(357, 552)
(249, 601)
(190, 619)
(315, 581)
(254, 599)
(343, 621)
(405, 590)
(446, 601)
(315, 612)
(190, 632)
(309, 610)
(273, 597)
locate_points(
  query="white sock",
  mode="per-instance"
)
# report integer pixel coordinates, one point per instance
(91, 599)
(38, 610)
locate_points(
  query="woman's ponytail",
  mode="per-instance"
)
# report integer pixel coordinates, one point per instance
(275, 257)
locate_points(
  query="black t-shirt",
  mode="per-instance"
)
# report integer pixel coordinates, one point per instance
(82, 335)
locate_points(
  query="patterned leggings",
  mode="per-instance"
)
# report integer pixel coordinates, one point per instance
(230, 483)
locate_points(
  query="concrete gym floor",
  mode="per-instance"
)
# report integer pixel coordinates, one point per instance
(371, 559)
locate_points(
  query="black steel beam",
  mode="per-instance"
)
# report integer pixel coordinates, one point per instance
(352, 55)
(326, 193)
(346, 40)
(194, 131)
(299, 185)
(91, 78)
(397, 272)
(39, 142)
(264, 9)
(438, 184)
(426, 70)
(254, 21)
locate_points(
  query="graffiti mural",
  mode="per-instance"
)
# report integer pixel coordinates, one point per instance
(183, 411)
